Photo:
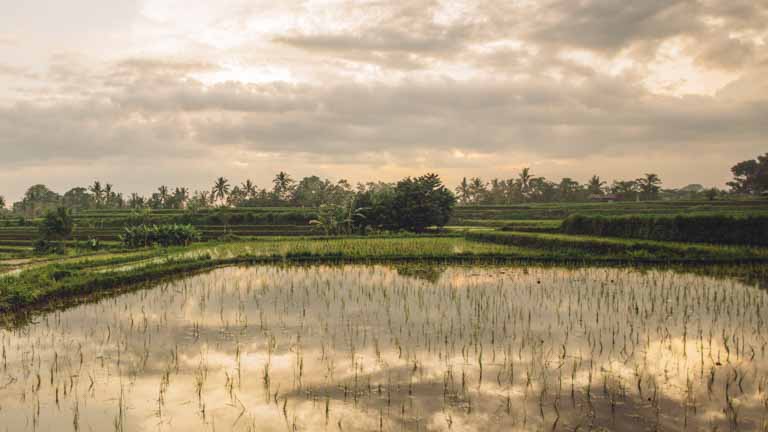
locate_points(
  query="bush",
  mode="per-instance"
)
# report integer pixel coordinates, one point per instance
(44, 247)
(750, 230)
(164, 235)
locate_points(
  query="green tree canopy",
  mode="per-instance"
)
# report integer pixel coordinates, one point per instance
(422, 202)
(57, 225)
(750, 176)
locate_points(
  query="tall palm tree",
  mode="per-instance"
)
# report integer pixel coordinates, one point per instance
(109, 196)
(221, 188)
(595, 185)
(478, 189)
(163, 194)
(282, 182)
(98, 192)
(180, 197)
(649, 186)
(525, 178)
(249, 189)
(463, 192)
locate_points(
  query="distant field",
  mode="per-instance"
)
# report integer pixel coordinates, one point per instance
(17, 236)
(476, 215)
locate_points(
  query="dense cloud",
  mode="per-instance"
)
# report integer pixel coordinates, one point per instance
(406, 84)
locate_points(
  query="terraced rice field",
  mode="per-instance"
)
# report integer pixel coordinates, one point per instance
(398, 348)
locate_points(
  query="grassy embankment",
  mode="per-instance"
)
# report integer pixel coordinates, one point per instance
(523, 232)
(42, 282)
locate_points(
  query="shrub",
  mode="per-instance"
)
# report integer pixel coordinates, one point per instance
(750, 230)
(45, 246)
(164, 235)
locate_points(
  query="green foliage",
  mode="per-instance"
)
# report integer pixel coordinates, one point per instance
(335, 219)
(750, 230)
(164, 235)
(751, 176)
(37, 200)
(57, 224)
(414, 204)
(422, 202)
(56, 227)
(583, 247)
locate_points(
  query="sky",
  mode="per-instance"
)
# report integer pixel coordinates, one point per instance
(140, 93)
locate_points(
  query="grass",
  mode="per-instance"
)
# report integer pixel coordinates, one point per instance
(65, 276)
(40, 281)
(596, 247)
(499, 348)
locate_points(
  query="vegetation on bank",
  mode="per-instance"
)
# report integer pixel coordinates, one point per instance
(104, 273)
(748, 230)
(163, 235)
(586, 247)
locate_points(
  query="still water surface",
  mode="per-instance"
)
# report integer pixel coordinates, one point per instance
(367, 348)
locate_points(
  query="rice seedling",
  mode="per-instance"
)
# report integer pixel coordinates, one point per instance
(392, 347)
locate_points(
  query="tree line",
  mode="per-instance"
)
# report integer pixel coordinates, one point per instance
(750, 178)
(529, 188)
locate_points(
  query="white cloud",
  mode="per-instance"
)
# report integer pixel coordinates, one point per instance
(369, 88)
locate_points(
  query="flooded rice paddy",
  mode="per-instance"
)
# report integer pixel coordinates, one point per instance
(368, 348)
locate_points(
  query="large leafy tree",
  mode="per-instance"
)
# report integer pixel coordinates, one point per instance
(422, 202)
(37, 200)
(750, 176)
(77, 199)
(312, 192)
(57, 225)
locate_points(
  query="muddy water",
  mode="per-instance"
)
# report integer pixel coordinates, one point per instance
(366, 348)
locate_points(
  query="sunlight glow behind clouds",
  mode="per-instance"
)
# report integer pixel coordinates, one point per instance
(355, 86)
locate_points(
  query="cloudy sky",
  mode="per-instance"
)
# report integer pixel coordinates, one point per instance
(147, 92)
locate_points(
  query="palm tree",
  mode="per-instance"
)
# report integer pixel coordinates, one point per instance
(204, 198)
(595, 185)
(235, 197)
(135, 201)
(478, 190)
(181, 196)
(249, 189)
(2, 202)
(220, 189)
(525, 178)
(163, 194)
(98, 192)
(626, 189)
(649, 186)
(463, 192)
(282, 183)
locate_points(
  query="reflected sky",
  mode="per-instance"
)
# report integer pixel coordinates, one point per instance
(276, 348)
